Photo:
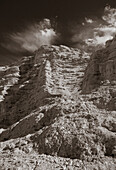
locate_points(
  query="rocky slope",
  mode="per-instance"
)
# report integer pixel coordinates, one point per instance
(58, 114)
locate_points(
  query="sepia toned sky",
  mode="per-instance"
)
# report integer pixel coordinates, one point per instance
(65, 17)
(13, 13)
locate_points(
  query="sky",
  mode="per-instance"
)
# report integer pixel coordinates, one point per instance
(25, 25)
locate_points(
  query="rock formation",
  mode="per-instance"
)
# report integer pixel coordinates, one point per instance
(57, 112)
(100, 77)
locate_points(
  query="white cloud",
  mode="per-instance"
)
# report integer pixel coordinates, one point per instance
(32, 37)
(104, 31)
(110, 15)
(95, 32)
(88, 20)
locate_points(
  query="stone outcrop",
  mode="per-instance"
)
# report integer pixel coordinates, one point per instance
(102, 67)
(59, 113)
(100, 76)
(51, 73)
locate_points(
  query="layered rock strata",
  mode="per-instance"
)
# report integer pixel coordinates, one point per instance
(46, 112)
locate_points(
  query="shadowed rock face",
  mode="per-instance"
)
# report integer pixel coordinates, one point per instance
(46, 110)
(100, 77)
(102, 67)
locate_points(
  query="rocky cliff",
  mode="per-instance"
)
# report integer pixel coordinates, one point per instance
(100, 76)
(57, 112)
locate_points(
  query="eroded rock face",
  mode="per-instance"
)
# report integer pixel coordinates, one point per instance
(100, 77)
(47, 112)
(102, 67)
(51, 73)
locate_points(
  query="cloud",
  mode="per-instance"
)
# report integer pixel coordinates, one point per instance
(88, 20)
(31, 37)
(101, 35)
(91, 32)
(109, 15)
(95, 32)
